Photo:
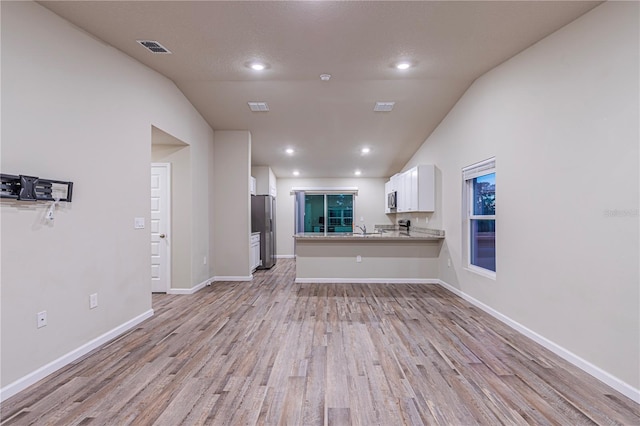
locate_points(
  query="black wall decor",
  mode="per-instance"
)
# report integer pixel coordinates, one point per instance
(32, 188)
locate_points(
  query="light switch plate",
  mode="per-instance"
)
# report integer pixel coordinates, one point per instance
(93, 301)
(138, 223)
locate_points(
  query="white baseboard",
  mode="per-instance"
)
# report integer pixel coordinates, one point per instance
(605, 377)
(369, 280)
(191, 290)
(42, 372)
(285, 256)
(207, 282)
(233, 278)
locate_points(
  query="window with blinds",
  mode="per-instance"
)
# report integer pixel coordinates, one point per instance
(480, 196)
(324, 210)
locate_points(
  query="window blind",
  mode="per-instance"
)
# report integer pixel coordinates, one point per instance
(479, 169)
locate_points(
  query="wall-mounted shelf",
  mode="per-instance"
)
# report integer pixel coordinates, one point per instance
(33, 188)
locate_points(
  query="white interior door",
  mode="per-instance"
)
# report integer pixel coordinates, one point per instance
(160, 227)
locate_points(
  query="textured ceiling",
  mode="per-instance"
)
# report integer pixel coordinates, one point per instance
(450, 44)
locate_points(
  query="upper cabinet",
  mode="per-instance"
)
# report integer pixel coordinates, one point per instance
(388, 193)
(265, 180)
(252, 185)
(391, 193)
(415, 190)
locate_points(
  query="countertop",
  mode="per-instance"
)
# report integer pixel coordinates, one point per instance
(375, 236)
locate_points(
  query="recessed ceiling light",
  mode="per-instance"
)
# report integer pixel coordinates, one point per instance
(289, 151)
(365, 150)
(325, 77)
(357, 173)
(296, 173)
(258, 106)
(403, 65)
(384, 106)
(258, 66)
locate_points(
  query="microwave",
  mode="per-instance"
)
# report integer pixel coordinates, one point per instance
(392, 200)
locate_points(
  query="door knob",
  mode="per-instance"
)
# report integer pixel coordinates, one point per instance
(162, 235)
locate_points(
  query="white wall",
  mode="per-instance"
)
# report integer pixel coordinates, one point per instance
(369, 204)
(562, 120)
(232, 228)
(76, 109)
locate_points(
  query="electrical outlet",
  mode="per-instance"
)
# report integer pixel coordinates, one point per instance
(42, 319)
(358, 259)
(93, 301)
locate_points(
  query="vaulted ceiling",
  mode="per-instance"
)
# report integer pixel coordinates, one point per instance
(213, 43)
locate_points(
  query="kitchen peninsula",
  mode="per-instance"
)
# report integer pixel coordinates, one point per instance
(390, 256)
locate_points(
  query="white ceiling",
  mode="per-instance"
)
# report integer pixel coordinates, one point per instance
(450, 44)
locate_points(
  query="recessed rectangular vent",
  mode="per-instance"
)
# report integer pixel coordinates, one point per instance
(153, 46)
(384, 106)
(258, 106)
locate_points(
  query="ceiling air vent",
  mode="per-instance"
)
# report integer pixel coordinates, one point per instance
(258, 106)
(153, 46)
(384, 106)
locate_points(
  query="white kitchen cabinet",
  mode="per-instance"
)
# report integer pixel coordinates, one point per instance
(387, 191)
(391, 186)
(404, 192)
(252, 185)
(265, 180)
(254, 249)
(416, 189)
(395, 181)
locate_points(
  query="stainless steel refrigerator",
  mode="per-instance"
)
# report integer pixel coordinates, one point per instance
(263, 220)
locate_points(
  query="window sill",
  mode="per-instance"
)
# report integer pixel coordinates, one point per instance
(482, 272)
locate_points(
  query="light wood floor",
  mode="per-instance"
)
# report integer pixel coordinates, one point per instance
(274, 352)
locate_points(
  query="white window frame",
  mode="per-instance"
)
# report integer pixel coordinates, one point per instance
(469, 173)
(340, 190)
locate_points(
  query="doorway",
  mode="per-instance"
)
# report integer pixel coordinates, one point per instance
(167, 149)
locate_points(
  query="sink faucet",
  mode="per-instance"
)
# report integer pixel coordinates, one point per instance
(363, 228)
